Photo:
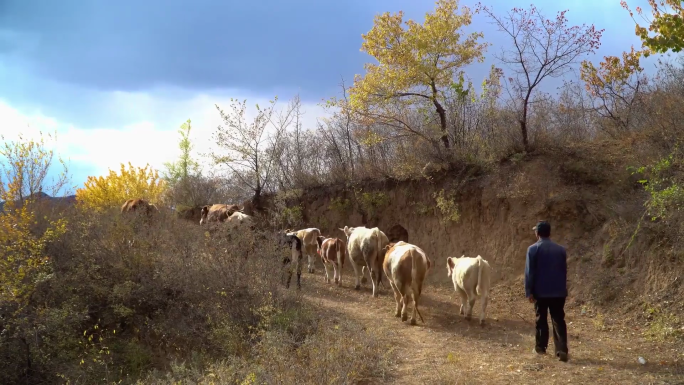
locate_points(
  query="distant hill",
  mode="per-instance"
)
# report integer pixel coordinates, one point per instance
(69, 199)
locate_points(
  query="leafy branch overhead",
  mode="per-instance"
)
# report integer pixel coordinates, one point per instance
(667, 26)
(416, 64)
(615, 86)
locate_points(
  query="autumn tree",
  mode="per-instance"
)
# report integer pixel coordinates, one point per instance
(187, 186)
(24, 263)
(416, 64)
(103, 192)
(185, 166)
(615, 86)
(25, 166)
(667, 26)
(246, 147)
(540, 48)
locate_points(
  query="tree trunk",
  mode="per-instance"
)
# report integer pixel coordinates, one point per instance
(523, 131)
(442, 115)
(442, 123)
(523, 122)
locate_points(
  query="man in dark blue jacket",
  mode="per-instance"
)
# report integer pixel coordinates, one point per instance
(545, 285)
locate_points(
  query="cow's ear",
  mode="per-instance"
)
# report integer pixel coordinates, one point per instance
(450, 266)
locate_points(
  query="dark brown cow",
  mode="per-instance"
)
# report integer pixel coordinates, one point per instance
(333, 251)
(218, 212)
(134, 205)
(193, 214)
(397, 233)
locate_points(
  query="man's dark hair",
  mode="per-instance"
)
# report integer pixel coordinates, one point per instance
(543, 228)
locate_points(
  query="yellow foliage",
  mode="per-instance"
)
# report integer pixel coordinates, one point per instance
(100, 193)
(667, 25)
(23, 262)
(612, 73)
(416, 64)
(421, 55)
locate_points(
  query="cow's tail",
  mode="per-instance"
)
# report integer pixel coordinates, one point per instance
(414, 267)
(415, 287)
(341, 251)
(379, 261)
(478, 290)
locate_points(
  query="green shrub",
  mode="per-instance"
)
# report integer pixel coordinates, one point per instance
(447, 206)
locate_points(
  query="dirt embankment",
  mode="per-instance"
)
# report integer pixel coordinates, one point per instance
(591, 200)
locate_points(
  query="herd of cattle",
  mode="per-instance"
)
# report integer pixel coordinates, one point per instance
(369, 250)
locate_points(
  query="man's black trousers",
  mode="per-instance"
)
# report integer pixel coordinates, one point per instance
(555, 306)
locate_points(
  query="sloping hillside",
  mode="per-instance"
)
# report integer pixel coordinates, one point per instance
(591, 200)
(69, 199)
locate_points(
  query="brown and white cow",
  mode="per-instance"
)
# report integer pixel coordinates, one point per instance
(139, 205)
(333, 251)
(471, 278)
(296, 255)
(309, 238)
(217, 212)
(364, 248)
(406, 266)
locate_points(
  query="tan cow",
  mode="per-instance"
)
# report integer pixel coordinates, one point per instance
(133, 205)
(218, 212)
(471, 278)
(406, 266)
(309, 238)
(333, 251)
(364, 248)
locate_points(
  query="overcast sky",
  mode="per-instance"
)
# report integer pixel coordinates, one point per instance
(103, 72)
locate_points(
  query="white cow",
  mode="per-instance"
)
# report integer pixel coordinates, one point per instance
(239, 219)
(406, 266)
(364, 248)
(309, 238)
(471, 278)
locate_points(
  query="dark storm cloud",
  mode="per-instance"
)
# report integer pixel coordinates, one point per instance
(133, 45)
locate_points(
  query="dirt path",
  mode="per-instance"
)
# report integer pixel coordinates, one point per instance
(447, 349)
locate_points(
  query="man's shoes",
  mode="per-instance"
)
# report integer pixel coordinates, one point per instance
(562, 356)
(538, 350)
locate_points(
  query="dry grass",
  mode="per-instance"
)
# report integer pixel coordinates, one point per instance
(446, 349)
(170, 300)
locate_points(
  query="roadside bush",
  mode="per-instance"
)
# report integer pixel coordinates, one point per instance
(131, 297)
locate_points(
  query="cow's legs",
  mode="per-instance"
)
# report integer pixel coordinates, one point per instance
(311, 256)
(483, 311)
(299, 271)
(374, 280)
(464, 299)
(363, 274)
(327, 272)
(337, 272)
(471, 302)
(357, 285)
(416, 297)
(405, 300)
(397, 298)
